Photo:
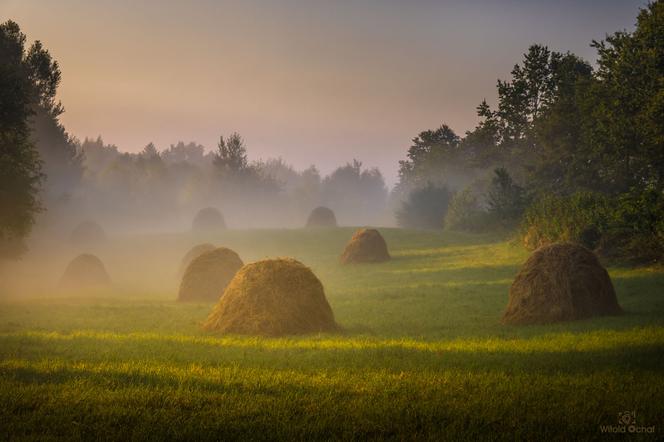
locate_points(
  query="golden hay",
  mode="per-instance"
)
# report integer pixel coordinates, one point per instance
(366, 245)
(85, 271)
(192, 254)
(322, 217)
(208, 220)
(206, 277)
(87, 232)
(273, 297)
(560, 282)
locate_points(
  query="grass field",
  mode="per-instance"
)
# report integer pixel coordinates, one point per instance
(423, 354)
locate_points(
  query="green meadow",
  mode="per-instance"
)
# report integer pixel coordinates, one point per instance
(423, 354)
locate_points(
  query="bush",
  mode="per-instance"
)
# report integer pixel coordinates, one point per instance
(580, 218)
(425, 208)
(628, 227)
(506, 200)
(465, 214)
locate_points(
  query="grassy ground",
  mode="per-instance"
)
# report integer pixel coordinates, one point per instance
(423, 354)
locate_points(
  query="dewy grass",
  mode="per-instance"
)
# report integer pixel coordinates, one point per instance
(422, 356)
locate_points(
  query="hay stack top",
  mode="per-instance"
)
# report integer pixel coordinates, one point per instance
(322, 217)
(273, 297)
(206, 277)
(366, 245)
(87, 232)
(85, 271)
(560, 282)
(194, 253)
(208, 220)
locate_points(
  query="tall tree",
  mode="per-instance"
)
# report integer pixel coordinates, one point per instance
(20, 173)
(231, 156)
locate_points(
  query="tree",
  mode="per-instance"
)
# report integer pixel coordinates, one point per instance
(425, 208)
(360, 193)
(506, 200)
(20, 168)
(62, 163)
(433, 157)
(231, 156)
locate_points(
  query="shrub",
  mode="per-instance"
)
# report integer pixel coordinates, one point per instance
(627, 227)
(580, 218)
(425, 208)
(465, 214)
(507, 200)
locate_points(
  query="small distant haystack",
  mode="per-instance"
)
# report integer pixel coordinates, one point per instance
(273, 297)
(560, 282)
(86, 233)
(194, 253)
(322, 217)
(85, 271)
(206, 277)
(208, 220)
(366, 245)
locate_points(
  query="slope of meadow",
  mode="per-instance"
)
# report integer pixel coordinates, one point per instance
(423, 354)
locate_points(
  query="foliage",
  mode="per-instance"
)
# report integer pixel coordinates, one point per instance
(465, 213)
(425, 208)
(434, 157)
(580, 218)
(506, 199)
(231, 156)
(354, 190)
(20, 168)
(625, 228)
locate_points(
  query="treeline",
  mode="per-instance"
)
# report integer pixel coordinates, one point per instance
(179, 180)
(569, 153)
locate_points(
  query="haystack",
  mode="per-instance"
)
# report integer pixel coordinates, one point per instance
(85, 271)
(366, 245)
(208, 220)
(560, 282)
(87, 232)
(273, 297)
(322, 217)
(192, 254)
(206, 277)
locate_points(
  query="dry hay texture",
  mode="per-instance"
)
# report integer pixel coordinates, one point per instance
(208, 220)
(560, 282)
(322, 217)
(88, 232)
(85, 271)
(273, 297)
(206, 277)
(366, 245)
(192, 254)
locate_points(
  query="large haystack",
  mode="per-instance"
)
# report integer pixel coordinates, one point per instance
(273, 297)
(366, 245)
(560, 282)
(83, 272)
(87, 233)
(192, 254)
(322, 217)
(208, 220)
(206, 277)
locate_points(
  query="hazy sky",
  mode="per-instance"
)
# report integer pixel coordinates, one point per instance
(312, 81)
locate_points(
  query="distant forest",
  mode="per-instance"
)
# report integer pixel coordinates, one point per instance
(570, 152)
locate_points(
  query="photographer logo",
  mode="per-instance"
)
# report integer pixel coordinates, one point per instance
(627, 423)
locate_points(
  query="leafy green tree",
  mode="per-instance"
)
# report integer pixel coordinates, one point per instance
(20, 168)
(62, 163)
(506, 199)
(433, 157)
